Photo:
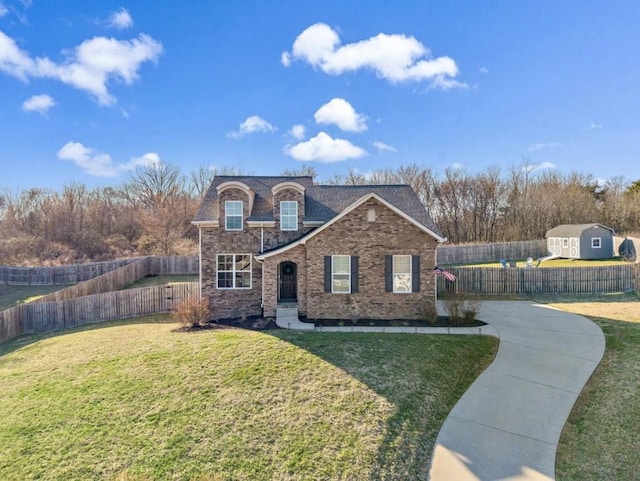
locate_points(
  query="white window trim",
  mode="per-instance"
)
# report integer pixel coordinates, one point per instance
(599, 239)
(565, 242)
(333, 273)
(234, 271)
(227, 216)
(289, 215)
(394, 273)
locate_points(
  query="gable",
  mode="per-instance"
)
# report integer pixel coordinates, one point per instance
(359, 211)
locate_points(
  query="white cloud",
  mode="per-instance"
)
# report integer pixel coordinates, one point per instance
(38, 103)
(88, 159)
(544, 145)
(539, 166)
(90, 66)
(593, 126)
(298, 132)
(150, 159)
(442, 82)
(99, 164)
(120, 19)
(457, 166)
(395, 58)
(484, 70)
(546, 166)
(382, 147)
(340, 112)
(251, 125)
(323, 148)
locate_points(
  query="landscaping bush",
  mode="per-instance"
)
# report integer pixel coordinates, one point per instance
(461, 308)
(192, 313)
(429, 311)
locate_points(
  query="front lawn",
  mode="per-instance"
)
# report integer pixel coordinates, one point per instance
(600, 439)
(138, 401)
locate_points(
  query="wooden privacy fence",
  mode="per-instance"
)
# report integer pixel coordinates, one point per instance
(49, 276)
(75, 273)
(174, 264)
(111, 281)
(43, 317)
(470, 253)
(555, 280)
(126, 275)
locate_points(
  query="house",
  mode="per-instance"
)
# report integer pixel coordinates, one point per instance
(581, 241)
(334, 252)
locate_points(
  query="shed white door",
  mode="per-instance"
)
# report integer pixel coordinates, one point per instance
(573, 247)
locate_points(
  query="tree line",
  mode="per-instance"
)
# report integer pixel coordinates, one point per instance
(151, 212)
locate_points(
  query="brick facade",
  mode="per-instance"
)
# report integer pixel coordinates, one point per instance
(389, 234)
(371, 231)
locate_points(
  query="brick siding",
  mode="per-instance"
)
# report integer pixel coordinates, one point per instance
(389, 234)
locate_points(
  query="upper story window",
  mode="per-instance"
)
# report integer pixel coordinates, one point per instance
(596, 242)
(288, 215)
(402, 274)
(233, 215)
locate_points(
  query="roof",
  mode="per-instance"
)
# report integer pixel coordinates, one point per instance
(322, 202)
(573, 230)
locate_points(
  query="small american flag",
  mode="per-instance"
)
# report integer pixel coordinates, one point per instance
(439, 271)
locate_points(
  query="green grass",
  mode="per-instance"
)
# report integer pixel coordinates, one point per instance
(554, 263)
(11, 296)
(600, 439)
(139, 401)
(162, 279)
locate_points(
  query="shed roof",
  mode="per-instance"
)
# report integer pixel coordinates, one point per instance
(573, 230)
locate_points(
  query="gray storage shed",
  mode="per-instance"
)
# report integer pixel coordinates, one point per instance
(581, 241)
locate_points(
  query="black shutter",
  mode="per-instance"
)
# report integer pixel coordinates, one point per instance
(327, 273)
(388, 273)
(354, 273)
(415, 273)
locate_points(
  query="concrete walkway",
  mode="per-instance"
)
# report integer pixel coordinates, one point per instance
(508, 424)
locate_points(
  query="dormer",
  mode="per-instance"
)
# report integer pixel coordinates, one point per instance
(235, 203)
(288, 205)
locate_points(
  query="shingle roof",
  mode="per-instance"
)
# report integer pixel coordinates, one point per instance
(572, 230)
(322, 202)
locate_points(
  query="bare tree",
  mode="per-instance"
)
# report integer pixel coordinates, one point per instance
(305, 170)
(201, 179)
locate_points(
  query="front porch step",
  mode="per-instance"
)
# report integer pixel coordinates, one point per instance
(287, 318)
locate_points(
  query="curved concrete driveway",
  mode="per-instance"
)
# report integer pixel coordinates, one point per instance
(508, 424)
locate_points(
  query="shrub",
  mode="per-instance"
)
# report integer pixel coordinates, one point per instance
(192, 312)
(470, 309)
(461, 308)
(429, 312)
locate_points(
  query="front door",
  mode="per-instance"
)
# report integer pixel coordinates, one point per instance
(288, 290)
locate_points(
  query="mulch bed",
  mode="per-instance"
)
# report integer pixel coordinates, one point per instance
(441, 321)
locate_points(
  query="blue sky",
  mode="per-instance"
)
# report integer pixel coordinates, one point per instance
(90, 90)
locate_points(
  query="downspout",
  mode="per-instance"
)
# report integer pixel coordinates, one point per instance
(262, 276)
(199, 262)
(261, 237)
(262, 286)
